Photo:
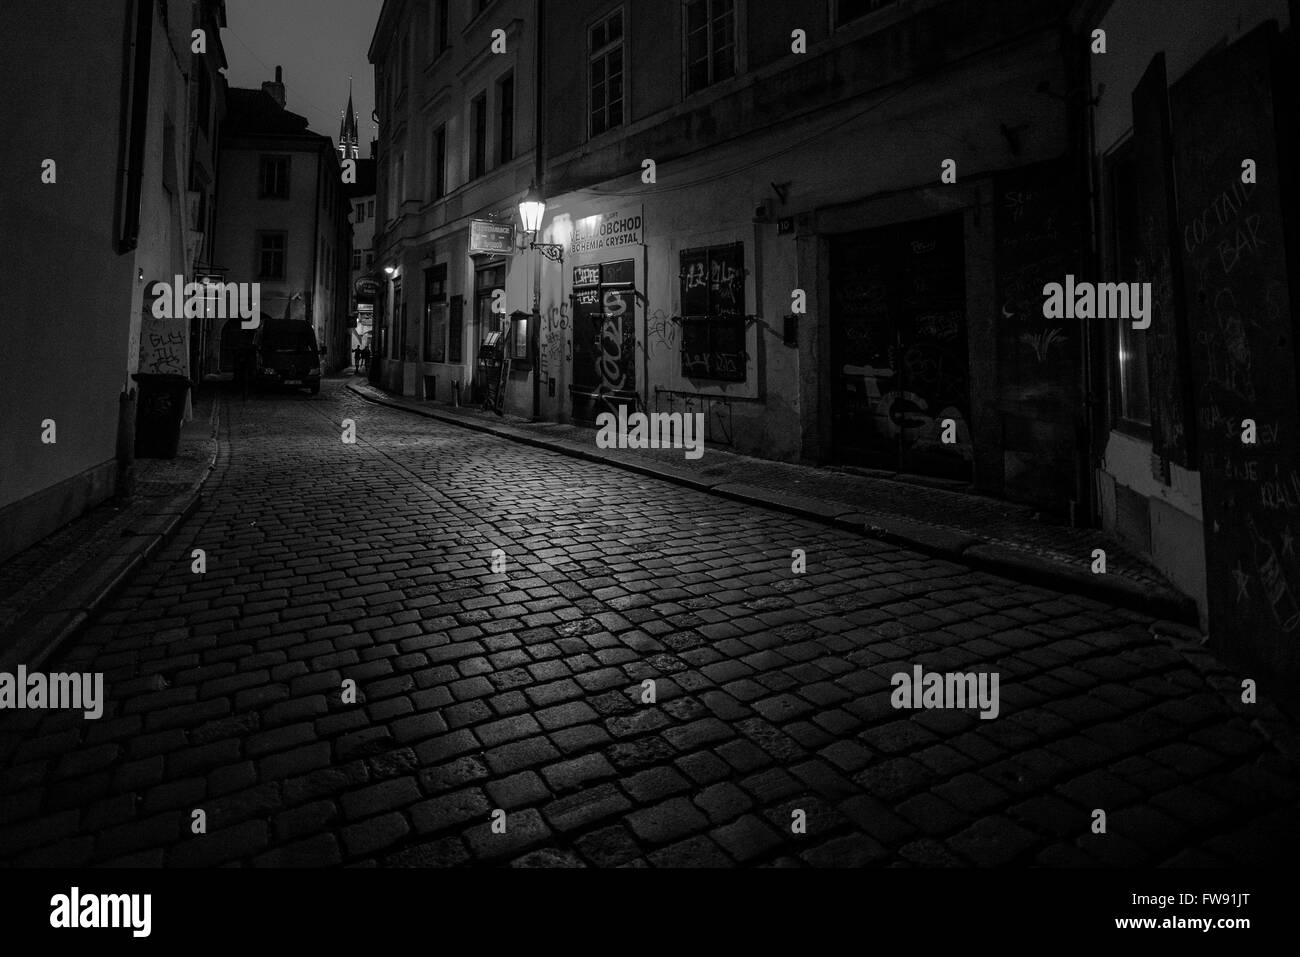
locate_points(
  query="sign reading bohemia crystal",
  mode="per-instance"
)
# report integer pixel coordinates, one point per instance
(612, 231)
(492, 239)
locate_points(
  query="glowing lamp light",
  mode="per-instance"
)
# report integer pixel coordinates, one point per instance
(532, 209)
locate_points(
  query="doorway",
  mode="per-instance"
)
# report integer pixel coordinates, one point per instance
(900, 363)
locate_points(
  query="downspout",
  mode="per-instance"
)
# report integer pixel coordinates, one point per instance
(309, 295)
(539, 172)
(129, 236)
(1082, 132)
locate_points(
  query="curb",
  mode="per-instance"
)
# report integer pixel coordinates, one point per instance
(1159, 603)
(46, 629)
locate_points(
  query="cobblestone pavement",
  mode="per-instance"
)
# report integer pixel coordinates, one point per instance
(882, 495)
(522, 691)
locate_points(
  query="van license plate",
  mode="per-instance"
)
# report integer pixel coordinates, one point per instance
(293, 382)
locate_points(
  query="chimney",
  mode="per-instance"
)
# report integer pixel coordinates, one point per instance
(275, 90)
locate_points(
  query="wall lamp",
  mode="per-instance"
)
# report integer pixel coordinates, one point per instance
(532, 210)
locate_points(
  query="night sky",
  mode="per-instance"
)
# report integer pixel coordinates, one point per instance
(318, 43)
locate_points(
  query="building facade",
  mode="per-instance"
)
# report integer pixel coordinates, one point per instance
(365, 282)
(1184, 96)
(282, 220)
(208, 112)
(796, 229)
(97, 165)
(457, 106)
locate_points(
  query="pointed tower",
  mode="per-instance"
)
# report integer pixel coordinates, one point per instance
(349, 141)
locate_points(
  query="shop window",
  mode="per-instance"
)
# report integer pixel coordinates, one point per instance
(1130, 391)
(710, 42)
(456, 330)
(518, 344)
(397, 336)
(435, 313)
(713, 313)
(605, 55)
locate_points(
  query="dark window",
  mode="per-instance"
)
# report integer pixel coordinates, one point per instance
(405, 64)
(356, 259)
(519, 340)
(1130, 393)
(713, 313)
(274, 181)
(479, 108)
(442, 39)
(399, 320)
(606, 73)
(506, 119)
(456, 330)
(710, 42)
(270, 255)
(440, 162)
(435, 313)
(205, 101)
(847, 11)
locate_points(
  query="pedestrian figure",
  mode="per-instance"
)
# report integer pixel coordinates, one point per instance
(365, 357)
(356, 358)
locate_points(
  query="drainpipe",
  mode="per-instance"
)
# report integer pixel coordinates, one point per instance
(539, 170)
(129, 235)
(1082, 133)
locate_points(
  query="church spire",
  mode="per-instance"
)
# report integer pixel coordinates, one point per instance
(349, 141)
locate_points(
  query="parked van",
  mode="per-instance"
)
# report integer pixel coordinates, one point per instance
(288, 354)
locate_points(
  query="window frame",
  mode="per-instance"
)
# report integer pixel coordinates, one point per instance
(441, 19)
(506, 119)
(714, 318)
(713, 79)
(435, 298)
(1118, 336)
(478, 122)
(265, 160)
(438, 158)
(260, 251)
(602, 54)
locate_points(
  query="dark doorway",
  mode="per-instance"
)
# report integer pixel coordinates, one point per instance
(899, 366)
(233, 336)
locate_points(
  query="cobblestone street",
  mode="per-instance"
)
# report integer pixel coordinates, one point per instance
(522, 691)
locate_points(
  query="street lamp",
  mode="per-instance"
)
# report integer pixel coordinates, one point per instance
(532, 209)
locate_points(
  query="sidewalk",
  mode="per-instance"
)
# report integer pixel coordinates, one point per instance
(975, 530)
(50, 590)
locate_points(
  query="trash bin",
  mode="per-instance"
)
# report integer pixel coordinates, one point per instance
(159, 411)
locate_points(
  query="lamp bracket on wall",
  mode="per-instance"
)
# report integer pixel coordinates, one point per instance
(552, 251)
